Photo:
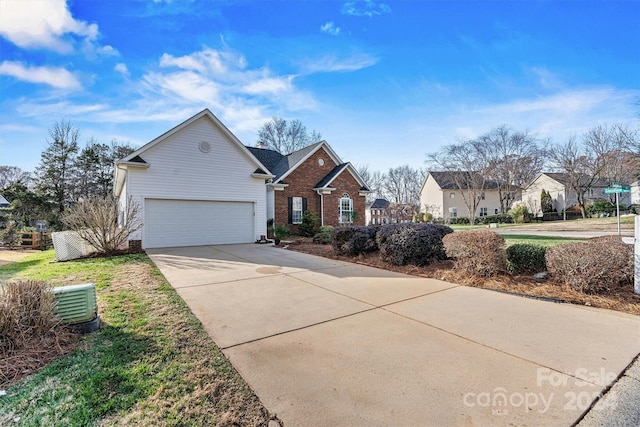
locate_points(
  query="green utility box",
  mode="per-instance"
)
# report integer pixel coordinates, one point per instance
(76, 303)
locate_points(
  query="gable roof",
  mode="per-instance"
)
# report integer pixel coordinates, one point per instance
(135, 160)
(3, 202)
(565, 179)
(447, 180)
(380, 204)
(282, 165)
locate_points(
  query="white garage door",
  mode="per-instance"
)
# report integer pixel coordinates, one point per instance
(171, 223)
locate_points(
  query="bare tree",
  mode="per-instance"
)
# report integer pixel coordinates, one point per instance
(12, 175)
(467, 164)
(103, 224)
(513, 160)
(402, 186)
(583, 164)
(286, 137)
(620, 163)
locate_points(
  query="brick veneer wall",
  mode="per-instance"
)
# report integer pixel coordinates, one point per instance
(301, 182)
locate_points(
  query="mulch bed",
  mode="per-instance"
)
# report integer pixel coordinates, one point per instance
(624, 299)
(35, 353)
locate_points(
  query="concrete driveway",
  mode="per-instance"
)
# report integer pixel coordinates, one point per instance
(324, 342)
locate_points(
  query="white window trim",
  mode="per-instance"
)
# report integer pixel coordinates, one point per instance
(342, 212)
(294, 201)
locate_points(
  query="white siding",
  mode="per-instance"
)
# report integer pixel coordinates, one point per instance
(438, 201)
(431, 198)
(531, 195)
(179, 170)
(270, 203)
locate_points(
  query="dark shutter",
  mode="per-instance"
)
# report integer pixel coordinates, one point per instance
(304, 204)
(290, 209)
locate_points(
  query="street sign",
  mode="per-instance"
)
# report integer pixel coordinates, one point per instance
(613, 190)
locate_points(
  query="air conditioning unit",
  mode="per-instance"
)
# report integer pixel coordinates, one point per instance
(77, 305)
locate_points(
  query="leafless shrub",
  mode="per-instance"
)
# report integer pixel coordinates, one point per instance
(27, 309)
(96, 221)
(30, 334)
(477, 252)
(595, 266)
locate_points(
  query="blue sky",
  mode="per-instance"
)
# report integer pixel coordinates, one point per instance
(384, 82)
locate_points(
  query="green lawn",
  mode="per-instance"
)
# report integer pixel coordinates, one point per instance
(150, 364)
(512, 239)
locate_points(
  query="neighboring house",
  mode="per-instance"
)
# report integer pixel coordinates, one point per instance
(378, 211)
(558, 186)
(635, 193)
(314, 179)
(4, 203)
(444, 198)
(400, 212)
(196, 184)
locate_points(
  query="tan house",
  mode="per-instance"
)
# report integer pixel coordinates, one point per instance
(443, 197)
(558, 186)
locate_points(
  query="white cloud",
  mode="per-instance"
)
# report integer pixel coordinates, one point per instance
(107, 51)
(330, 28)
(58, 78)
(269, 85)
(122, 69)
(43, 24)
(331, 63)
(40, 108)
(365, 8)
(217, 78)
(217, 62)
(188, 86)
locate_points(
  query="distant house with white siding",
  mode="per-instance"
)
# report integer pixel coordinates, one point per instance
(563, 196)
(443, 196)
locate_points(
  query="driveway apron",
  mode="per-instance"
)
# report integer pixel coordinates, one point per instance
(324, 342)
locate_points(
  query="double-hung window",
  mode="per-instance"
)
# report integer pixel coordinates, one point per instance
(296, 210)
(345, 214)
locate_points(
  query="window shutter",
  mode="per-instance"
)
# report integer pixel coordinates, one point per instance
(290, 209)
(304, 204)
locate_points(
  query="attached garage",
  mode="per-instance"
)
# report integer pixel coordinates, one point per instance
(170, 223)
(194, 185)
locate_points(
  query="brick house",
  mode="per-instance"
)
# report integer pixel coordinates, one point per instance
(313, 178)
(379, 212)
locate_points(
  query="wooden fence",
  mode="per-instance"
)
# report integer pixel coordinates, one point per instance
(36, 240)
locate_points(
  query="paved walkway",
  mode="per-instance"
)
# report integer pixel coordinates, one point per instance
(324, 342)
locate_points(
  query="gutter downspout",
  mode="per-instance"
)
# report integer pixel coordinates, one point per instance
(321, 208)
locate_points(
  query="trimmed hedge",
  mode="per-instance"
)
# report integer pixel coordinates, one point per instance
(354, 240)
(526, 258)
(598, 265)
(476, 252)
(411, 243)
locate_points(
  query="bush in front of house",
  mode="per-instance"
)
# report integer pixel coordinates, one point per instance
(595, 266)
(498, 218)
(323, 237)
(415, 244)
(354, 239)
(526, 258)
(477, 252)
(309, 225)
